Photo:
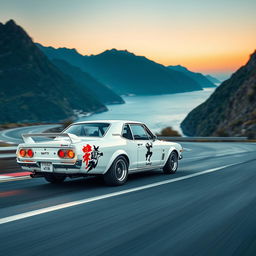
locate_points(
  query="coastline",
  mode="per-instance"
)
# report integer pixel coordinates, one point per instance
(158, 111)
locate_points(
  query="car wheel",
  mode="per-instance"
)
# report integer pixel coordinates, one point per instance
(171, 165)
(54, 177)
(117, 173)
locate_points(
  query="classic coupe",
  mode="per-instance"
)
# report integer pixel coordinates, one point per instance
(111, 148)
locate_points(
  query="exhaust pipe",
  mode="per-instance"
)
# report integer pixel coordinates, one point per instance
(36, 175)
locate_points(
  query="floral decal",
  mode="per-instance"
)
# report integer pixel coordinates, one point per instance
(91, 156)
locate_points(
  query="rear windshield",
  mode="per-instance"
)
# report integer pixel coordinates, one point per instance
(88, 129)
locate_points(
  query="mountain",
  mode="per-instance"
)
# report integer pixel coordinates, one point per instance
(230, 110)
(198, 77)
(126, 73)
(213, 79)
(69, 55)
(32, 89)
(85, 80)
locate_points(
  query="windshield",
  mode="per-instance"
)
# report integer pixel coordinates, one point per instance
(88, 129)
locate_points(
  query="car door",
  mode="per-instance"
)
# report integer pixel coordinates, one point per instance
(131, 147)
(156, 147)
(147, 154)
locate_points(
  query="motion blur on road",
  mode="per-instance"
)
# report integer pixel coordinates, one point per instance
(209, 214)
(212, 213)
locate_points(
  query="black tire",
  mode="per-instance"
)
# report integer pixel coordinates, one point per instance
(55, 178)
(171, 165)
(118, 172)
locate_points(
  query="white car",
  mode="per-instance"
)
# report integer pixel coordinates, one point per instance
(109, 148)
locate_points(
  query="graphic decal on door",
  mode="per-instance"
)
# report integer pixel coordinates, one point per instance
(149, 153)
(91, 156)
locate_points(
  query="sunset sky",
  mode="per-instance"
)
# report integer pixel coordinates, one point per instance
(209, 36)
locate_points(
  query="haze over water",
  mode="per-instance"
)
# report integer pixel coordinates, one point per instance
(158, 111)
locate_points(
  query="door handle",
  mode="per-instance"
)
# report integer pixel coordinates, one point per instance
(139, 144)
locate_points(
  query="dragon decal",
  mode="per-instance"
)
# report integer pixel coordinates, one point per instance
(91, 156)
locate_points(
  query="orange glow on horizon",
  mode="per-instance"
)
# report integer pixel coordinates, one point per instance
(207, 63)
(204, 35)
(211, 63)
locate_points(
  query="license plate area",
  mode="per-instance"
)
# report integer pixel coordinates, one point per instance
(46, 167)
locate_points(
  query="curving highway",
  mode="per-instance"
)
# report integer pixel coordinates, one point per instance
(207, 208)
(14, 135)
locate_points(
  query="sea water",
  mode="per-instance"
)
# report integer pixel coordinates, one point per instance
(158, 111)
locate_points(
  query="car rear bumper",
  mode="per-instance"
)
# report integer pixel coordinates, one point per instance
(31, 166)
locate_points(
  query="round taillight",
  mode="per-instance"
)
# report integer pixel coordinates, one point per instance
(71, 154)
(30, 153)
(22, 152)
(61, 153)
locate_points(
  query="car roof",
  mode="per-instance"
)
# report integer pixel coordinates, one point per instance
(108, 121)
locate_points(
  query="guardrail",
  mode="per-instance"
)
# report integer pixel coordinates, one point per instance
(7, 149)
(7, 152)
(204, 139)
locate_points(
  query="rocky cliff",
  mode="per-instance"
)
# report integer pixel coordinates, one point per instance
(230, 110)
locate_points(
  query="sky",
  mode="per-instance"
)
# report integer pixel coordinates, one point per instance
(208, 36)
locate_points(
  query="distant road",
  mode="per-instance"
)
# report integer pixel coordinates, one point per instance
(14, 135)
(207, 208)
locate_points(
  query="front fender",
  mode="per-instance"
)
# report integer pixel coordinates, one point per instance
(172, 148)
(113, 157)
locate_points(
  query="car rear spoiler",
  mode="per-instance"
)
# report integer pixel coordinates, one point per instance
(28, 137)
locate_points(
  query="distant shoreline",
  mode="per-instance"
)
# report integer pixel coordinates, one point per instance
(78, 116)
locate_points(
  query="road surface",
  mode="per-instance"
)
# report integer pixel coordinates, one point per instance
(14, 135)
(207, 208)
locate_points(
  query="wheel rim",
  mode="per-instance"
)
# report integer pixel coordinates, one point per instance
(121, 170)
(174, 163)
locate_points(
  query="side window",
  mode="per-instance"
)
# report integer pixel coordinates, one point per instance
(127, 132)
(139, 132)
(149, 133)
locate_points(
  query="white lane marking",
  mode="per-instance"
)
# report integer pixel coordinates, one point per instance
(9, 178)
(96, 198)
(187, 149)
(4, 177)
(3, 134)
(39, 128)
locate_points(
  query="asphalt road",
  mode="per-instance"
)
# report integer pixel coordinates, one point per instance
(207, 208)
(14, 135)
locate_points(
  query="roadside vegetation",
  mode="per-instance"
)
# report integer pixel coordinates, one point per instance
(169, 131)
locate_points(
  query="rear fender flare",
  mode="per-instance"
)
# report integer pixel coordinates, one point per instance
(113, 157)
